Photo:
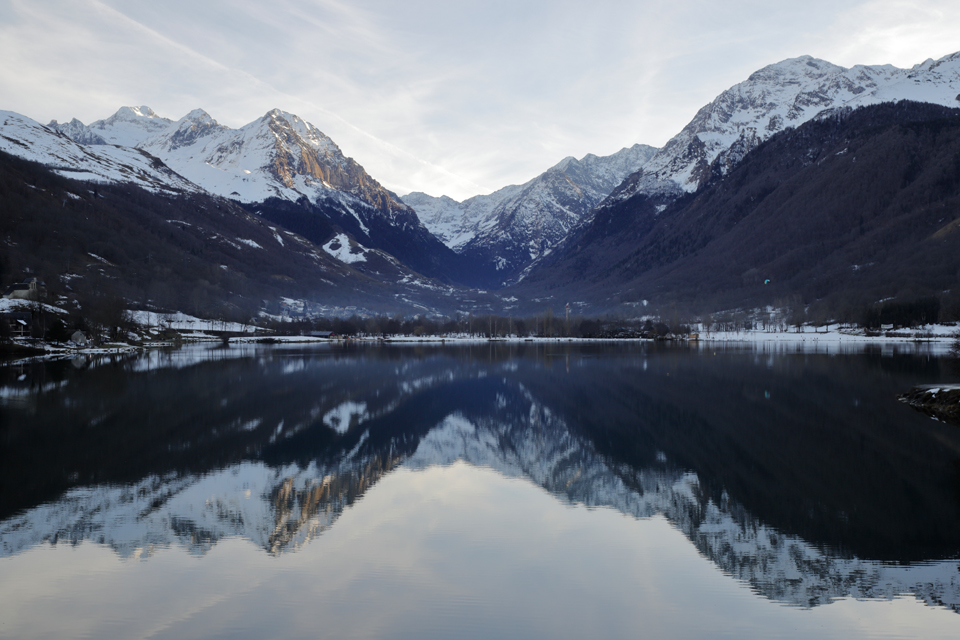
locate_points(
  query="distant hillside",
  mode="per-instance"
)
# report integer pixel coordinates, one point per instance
(848, 209)
(501, 233)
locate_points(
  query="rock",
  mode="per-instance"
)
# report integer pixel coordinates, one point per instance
(941, 402)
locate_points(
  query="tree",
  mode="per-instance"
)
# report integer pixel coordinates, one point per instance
(106, 313)
(57, 331)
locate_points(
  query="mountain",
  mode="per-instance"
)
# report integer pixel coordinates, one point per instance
(280, 159)
(603, 231)
(129, 125)
(850, 208)
(181, 250)
(501, 233)
(276, 156)
(30, 140)
(76, 131)
(779, 96)
(279, 167)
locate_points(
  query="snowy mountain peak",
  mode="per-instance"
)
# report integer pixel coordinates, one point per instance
(142, 111)
(133, 114)
(293, 129)
(781, 95)
(195, 125)
(791, 68)
(54, 146)
(563, 164)
(197, 115)
(278, 155)
(130, 125)
(930, 64)
(76, 131)
(507, 229)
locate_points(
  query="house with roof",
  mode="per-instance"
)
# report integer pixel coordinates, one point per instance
(29, 289)
(18, 322)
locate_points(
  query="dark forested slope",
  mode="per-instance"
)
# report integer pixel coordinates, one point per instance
(195, 253)
(843, 211)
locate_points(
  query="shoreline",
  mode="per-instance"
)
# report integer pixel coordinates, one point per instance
(938, 338)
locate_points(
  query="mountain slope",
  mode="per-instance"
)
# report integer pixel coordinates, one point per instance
(276, 159)
(503, 231)
(195, 252)
(28, 139)
(846, 209)
(129, 126)
(781, 95)
(281, 158)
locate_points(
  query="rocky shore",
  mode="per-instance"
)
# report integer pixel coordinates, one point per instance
(941, 402)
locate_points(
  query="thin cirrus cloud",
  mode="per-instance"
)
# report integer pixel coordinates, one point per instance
(448, 98)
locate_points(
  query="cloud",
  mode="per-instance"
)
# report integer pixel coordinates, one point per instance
(456, 98)
(893, 32)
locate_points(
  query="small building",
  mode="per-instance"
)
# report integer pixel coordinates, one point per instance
(18, 322)
(79, 338)
(29, 289)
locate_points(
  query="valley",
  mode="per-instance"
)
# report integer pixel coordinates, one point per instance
(809, 188)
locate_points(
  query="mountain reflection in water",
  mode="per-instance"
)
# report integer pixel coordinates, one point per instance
(798, 474)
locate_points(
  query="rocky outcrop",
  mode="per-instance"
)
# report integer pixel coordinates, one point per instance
(940, 402)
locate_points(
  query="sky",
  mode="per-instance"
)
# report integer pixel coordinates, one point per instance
(445, 97)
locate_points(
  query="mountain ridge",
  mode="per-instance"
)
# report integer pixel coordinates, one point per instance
(780, 95)
(847, 209)
(507, 229)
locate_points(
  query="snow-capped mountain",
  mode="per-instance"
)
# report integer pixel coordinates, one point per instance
(28, 139)
(781, 95)
(280, 158)
(505, 230)
(76, 131)
(129, 125)
(276, 156)
(293, 174)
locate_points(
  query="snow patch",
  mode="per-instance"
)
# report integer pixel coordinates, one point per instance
(339, 247)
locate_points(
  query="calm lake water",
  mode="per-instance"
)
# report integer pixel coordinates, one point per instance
(491, 490)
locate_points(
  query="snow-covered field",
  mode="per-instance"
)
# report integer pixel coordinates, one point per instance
(11, 305)
(934, 338)
(183, 322)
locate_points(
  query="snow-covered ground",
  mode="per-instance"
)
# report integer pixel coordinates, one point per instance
(183, 322)
(934, 338)
(12, 305)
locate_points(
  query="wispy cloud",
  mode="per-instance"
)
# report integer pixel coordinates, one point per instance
(456, 98)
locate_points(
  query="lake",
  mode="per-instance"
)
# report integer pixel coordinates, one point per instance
(514, 490)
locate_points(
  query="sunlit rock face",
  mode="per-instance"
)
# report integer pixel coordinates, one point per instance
(279, 166)
(277, 156)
